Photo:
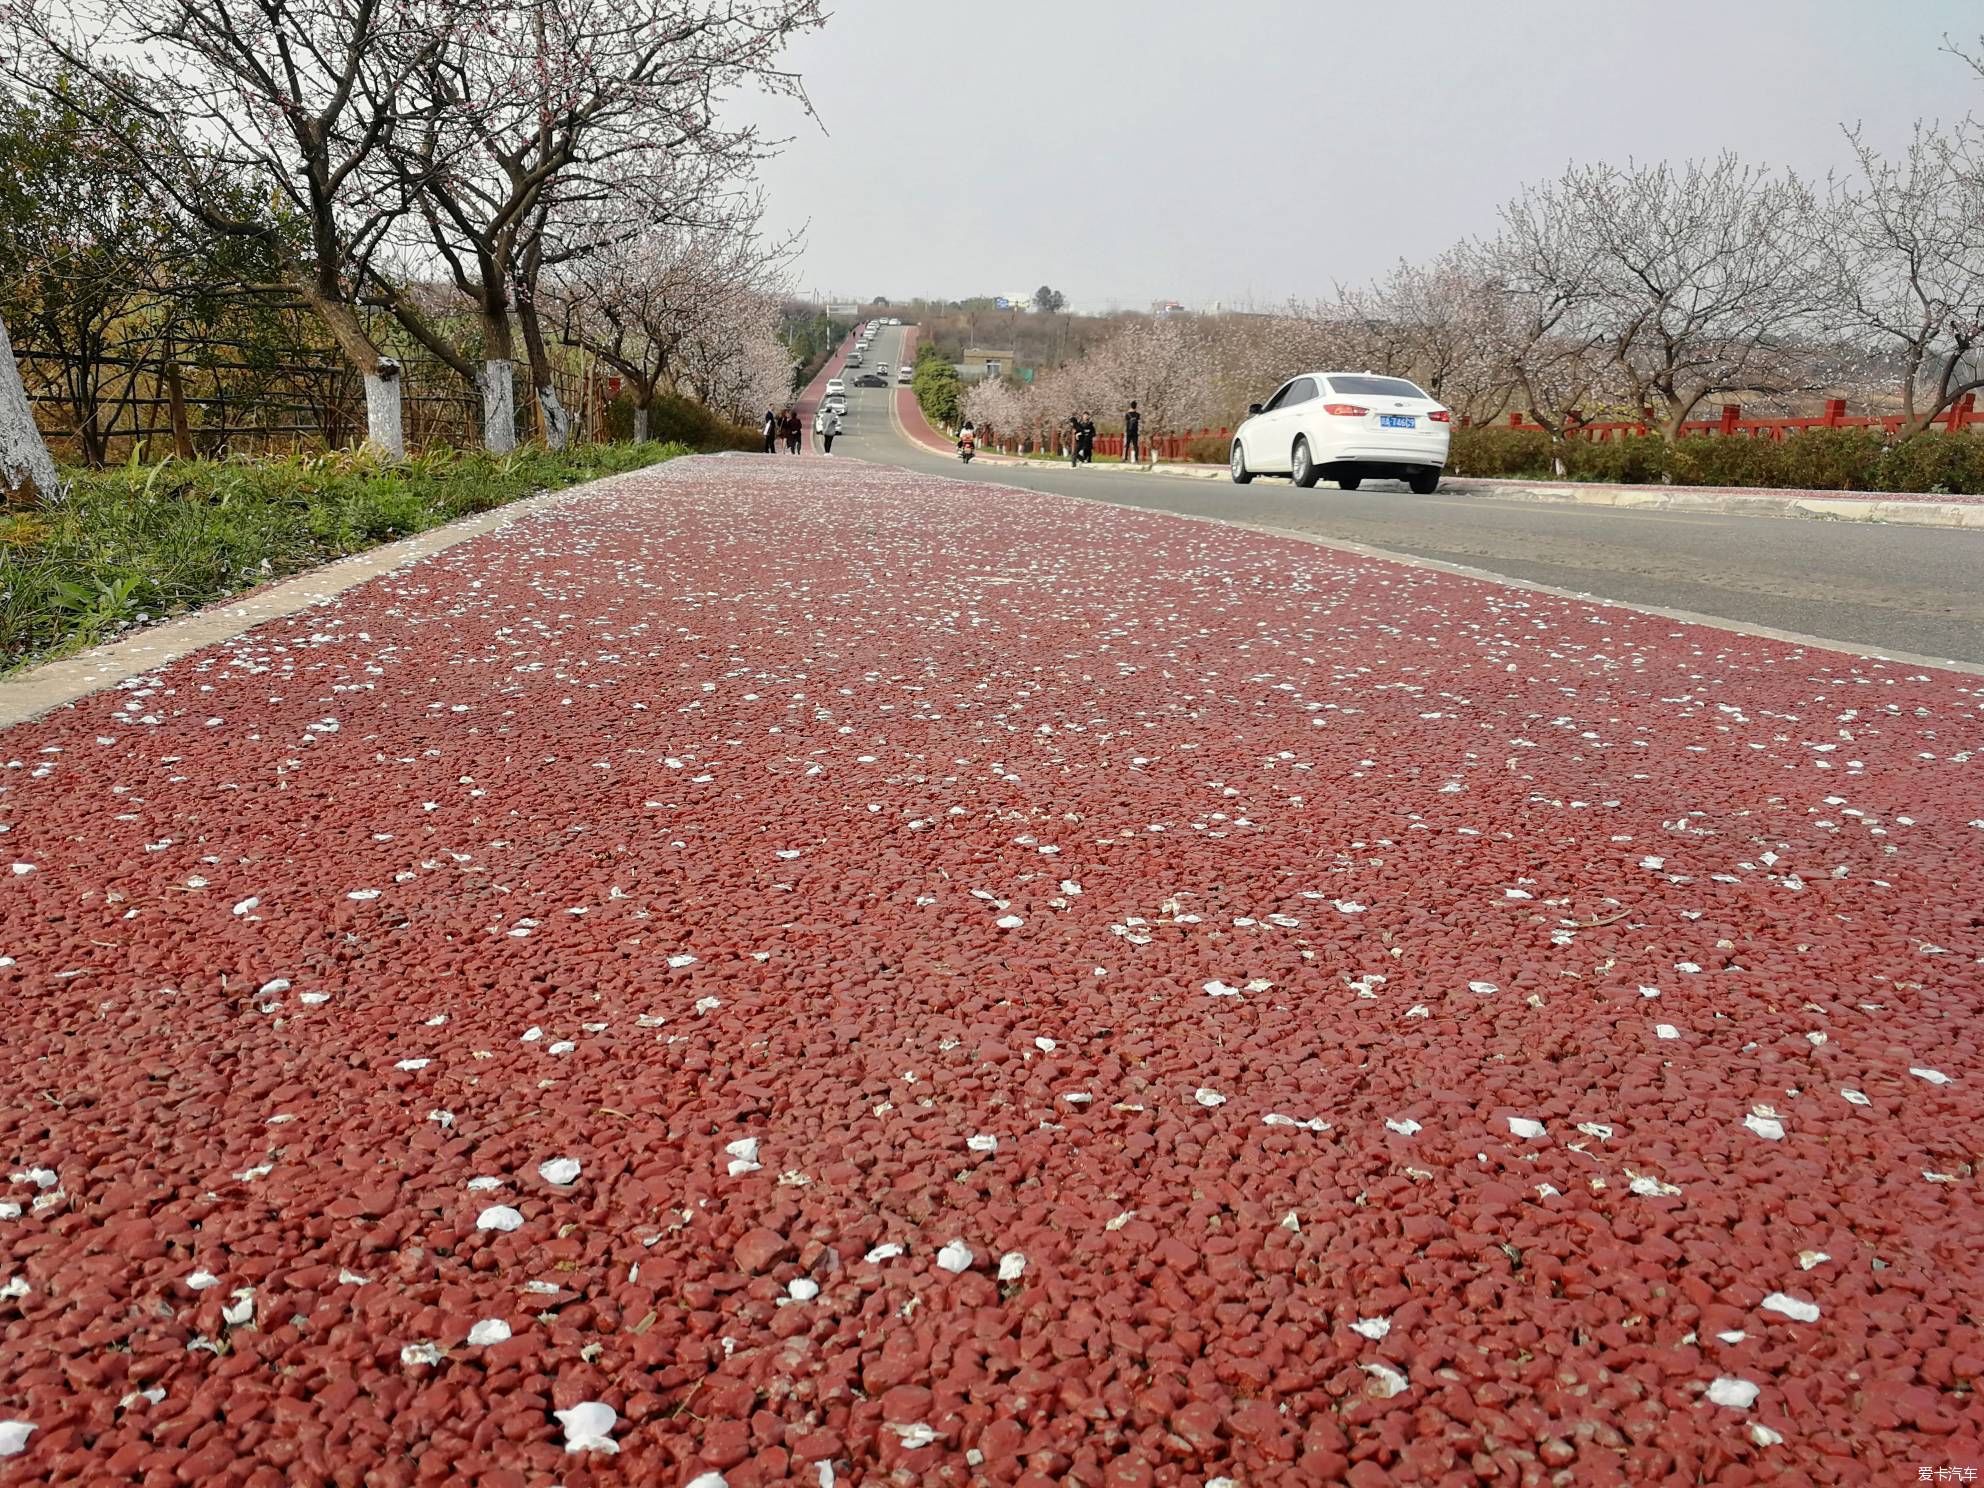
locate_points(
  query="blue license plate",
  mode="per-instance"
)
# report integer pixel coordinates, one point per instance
(1397, 421)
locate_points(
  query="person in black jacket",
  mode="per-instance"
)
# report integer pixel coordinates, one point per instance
(771, 432)
(1132, 433)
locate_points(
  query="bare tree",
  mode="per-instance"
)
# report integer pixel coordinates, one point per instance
(299, 100)
(1703, 279)
(1161, 363)
(1903, 246)
(560, 128)
(1544, 270)
(635, 303)
(27, 471)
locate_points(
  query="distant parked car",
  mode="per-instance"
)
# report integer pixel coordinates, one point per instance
(1347, 427)
(905, 374)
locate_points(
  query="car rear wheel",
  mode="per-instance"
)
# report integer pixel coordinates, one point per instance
(1301, 469)
(1238, 464)
(1424, 484)
(1349, 482)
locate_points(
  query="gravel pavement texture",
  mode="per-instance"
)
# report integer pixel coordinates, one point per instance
(793, 971)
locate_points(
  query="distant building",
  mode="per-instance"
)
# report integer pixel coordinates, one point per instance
(980, 363)
(1166, 307)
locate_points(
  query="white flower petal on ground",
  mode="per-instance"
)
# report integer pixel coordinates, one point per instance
(239, 1312)
(677, 962)
(1763, 1121)
(1934, 1077)
(589, 1427)
(1807, 1259)
(1405, 1126)
(412, 1066)
(1791, 1307)
(489, 1331)
(708, 1004)
(1009, 922)
(560, 1172)
(913, 1435)
(1737, 1394)
(349, 1277)
(1484, 988)
(1649, 1187)
(743, 1155)
(1855, 1098)
(708, 1480)
(14, 1434)
(955, 1257)
(314, 999)
(499, 1217)
(199, 1281)
(1372, 1328)
(1385, 1380)
(1762, 1435)
(1666, 1031)
(1524, 1127)
(1012, 1266)
(1045, 1045)
(483, 1184)
(1208, 1097)
(802, 1289)
(1220, 989)
(363, 894)
(241, 909)
(884, 1252)
(414, 1354)
(982, 1142)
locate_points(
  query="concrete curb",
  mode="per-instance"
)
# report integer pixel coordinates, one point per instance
(1870, 506)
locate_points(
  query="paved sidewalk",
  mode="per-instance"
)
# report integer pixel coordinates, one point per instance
(793, 974)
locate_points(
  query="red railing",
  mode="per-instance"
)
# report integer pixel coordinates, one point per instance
(1730, 423)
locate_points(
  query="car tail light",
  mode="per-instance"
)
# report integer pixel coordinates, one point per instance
(1346, 410)
(1440, 416)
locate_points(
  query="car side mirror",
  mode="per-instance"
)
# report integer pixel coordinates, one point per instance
(1252, 409)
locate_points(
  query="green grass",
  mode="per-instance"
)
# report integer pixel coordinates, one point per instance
(134, 545)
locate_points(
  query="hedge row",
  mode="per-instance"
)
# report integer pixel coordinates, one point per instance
(136, 544)
(1814, 460)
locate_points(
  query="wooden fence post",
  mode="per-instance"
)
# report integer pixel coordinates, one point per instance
(1731, 412)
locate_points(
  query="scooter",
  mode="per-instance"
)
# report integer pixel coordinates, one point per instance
(965, 450)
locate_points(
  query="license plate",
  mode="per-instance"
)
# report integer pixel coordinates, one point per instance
(1397, 421)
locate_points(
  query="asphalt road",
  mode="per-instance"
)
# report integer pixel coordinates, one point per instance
(1907, 589)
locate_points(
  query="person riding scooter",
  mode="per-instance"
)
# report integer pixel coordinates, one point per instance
(967, 442)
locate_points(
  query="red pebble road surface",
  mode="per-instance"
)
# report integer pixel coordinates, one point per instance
(1345, 1020)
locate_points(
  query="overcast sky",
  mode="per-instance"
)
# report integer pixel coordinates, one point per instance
(1250, 152)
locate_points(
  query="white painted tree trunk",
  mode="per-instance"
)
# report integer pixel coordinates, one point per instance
(557, 422)
(499, 408)
(640, 426)
(27, 470)
(384, 429)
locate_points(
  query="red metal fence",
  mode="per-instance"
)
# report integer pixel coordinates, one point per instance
(1728, 423)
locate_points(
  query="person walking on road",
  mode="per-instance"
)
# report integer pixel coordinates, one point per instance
(1133, 424)
(829, 426)
(1075, 437)
(770, 432)
(1085, 440)
(793, 431)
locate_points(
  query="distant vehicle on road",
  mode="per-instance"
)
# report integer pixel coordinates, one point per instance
(1347, 427)
(854, 357)
(835, 385)
(904, 375)
(894, 321)
(870, 379)
(836, 401)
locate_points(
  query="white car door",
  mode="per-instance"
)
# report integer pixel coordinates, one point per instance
(1291, 421)
(1257, 435)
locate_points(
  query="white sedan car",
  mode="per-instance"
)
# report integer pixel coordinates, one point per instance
(1345, 427)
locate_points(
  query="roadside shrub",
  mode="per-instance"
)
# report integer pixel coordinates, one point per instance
(1209, 450)
(1504, 452)
(1631, 459)
(1712, 460)
(1829, 460)
(1952, 463)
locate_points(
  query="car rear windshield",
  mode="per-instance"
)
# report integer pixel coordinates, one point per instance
(1375, 387)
